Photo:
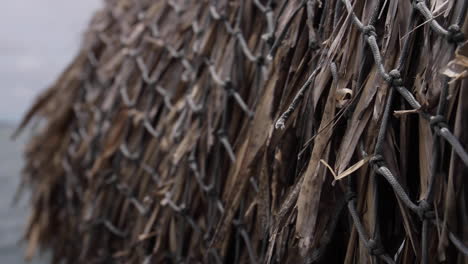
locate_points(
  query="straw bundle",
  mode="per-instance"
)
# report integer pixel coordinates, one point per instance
(256, 132)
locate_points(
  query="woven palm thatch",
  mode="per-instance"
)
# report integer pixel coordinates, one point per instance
(258, 131)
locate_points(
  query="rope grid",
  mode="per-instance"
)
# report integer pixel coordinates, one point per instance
(130, 153)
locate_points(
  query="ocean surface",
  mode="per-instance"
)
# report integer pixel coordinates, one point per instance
(13, 217)
(38, 39)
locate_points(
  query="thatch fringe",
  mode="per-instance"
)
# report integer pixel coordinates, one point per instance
(257, 131)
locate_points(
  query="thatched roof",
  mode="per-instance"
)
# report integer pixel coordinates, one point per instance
(256, 132)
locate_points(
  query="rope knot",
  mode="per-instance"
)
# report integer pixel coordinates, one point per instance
(369, 31)
(437, 121)
(395, 78)
(221, 133)
(229, 87)
(350, 195)
(183, 210)
(238, 223)
(455, 35)
(191, 159)
(212, 192)
(376, 160)
(375, 249)
(425, 211)
(261, 60)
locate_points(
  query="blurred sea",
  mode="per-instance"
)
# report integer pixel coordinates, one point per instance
(13, 217)
(37, 40)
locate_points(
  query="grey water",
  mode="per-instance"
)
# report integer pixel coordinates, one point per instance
(38, 39)
(13, 217)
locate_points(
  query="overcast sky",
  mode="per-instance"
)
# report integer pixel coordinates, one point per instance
(38, 38)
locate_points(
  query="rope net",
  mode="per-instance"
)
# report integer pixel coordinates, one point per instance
(258, 131)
